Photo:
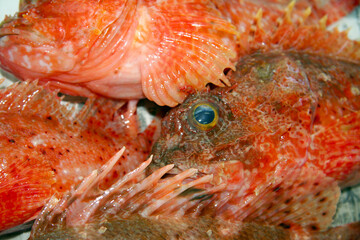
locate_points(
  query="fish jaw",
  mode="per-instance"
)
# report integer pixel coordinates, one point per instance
(285, 106)
(43, 59)
(30, 43)
(280, 128)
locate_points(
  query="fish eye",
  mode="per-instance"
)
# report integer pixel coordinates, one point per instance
(204, 116)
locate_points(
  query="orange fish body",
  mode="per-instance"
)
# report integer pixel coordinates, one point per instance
(46, 148)
(162, 50)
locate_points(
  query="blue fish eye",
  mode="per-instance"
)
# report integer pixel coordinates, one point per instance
(205, 116)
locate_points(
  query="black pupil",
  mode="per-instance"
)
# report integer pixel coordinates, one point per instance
(204, 114)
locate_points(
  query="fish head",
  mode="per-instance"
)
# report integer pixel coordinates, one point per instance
(31, 40)
(49, 38)
(259, 126)
(197, 133)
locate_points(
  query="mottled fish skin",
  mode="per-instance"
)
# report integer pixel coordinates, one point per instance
(277, 101)
(264, 166)
(162, 50)
(137, 227)
(189, 228)
(291, 112)
(46, 148)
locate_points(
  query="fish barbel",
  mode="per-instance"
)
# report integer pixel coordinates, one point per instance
(46, 148)
(162, 50)
(265, 158)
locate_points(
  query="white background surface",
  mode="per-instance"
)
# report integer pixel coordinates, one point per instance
(8, 7)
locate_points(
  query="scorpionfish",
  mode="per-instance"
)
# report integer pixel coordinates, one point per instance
(265, 158)
(162, 50)
(46, 147)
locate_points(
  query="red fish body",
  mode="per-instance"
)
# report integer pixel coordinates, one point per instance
(46, 148)
(162, 50)
(118, 49)
(265, 158)
(284, 137)
(272, 151)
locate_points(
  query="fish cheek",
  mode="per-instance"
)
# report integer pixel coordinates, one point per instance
(185, 151)
(166, 152)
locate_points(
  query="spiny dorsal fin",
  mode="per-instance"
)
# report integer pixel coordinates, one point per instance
(301, 36)
(298, 26)
(304, 202)
(132, 194)
(241, 13)
(28, 96)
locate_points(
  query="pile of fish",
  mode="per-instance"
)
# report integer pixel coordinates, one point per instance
(262, 152)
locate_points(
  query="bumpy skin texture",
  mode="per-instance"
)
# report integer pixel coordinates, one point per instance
(278, 105)
(204, 228)
(143, 207)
